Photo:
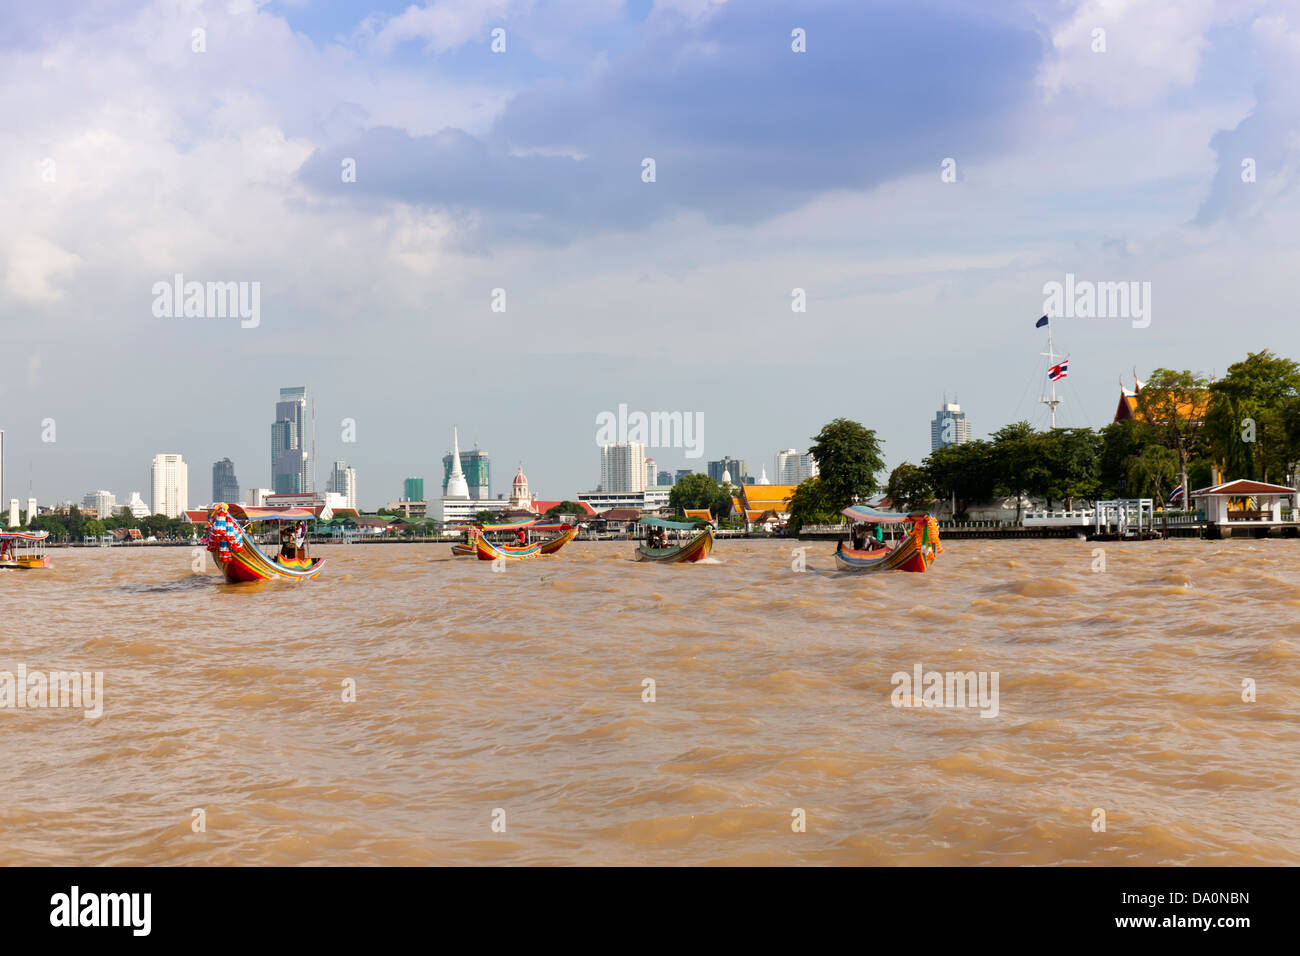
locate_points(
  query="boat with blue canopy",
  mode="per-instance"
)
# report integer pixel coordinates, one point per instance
(868, 551)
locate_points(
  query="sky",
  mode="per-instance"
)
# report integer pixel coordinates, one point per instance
(441, 232)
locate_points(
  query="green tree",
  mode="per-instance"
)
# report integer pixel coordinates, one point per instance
(1020, 464)
(1152, 471)
(1071, 456)
(484, 517)
(963, 473)
(1174, 403)
(699, 491)
(848, 458)
(811, 504)
(565, 507)
(1120, 442)
(1246, 420)
(909, 488)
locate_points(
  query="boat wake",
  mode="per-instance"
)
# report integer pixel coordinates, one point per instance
(182, 584)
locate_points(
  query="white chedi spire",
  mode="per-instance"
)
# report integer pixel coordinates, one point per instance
(457, 487)
(726, 476)
(762, 479)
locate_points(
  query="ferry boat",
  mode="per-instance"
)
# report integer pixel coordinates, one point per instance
(23, 550)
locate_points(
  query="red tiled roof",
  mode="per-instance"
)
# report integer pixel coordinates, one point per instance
(1243, 487)
(545, 506)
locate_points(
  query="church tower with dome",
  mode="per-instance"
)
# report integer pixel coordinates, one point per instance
(520, 499)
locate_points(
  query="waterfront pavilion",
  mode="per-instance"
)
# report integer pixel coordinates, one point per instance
(1245, 503)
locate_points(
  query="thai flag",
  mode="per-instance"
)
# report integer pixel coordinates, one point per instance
(1176, 494)
(1057, 372)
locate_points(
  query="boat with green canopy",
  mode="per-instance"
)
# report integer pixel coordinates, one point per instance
(674, 542)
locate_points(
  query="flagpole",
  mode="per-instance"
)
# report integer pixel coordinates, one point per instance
(1052, 402)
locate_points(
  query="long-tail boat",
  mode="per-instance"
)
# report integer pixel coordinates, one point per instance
(914, 551)
(694, 548)
(238, 555)
(23, 550)
(477, 543)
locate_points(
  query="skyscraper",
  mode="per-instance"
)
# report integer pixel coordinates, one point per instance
(170, 481)
(664, 479)
(949, 427)
(99, 503)
(343, 481)
(650, 472)
(290, 463)
(793, 467)
(477, 470)
(734, 468)
(622, 467)
(413, 489)
(225, 486)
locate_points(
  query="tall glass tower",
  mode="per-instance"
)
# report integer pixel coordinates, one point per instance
(290, 463)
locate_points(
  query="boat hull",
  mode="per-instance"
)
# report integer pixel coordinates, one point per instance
(696, 549)
(26, 564)
(560, 540)
(487, 551)
(908, 555)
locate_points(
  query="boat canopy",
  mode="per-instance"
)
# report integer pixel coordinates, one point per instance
(24, 535)
(508, 527)
(674, 525)
(876, 516)
(272, 514)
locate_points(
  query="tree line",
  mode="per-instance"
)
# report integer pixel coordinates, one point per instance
(1248, 422)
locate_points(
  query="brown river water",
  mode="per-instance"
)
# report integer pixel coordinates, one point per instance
(521, 691)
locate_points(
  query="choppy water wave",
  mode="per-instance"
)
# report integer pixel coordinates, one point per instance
(526, 691)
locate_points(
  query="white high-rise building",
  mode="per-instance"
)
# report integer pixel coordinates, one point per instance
(343, 482)
(622, 467)
(793, 467)
(950, 427)
(650, 473)
(171, 485)
(100, 502)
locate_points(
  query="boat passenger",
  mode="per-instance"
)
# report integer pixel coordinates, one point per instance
(300, 541)
(286, 541)
(859, 537)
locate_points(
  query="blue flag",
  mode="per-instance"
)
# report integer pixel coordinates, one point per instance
(1041, 322)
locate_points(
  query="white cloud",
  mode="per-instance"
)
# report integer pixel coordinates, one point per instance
(1151, 48)
(35, 265)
